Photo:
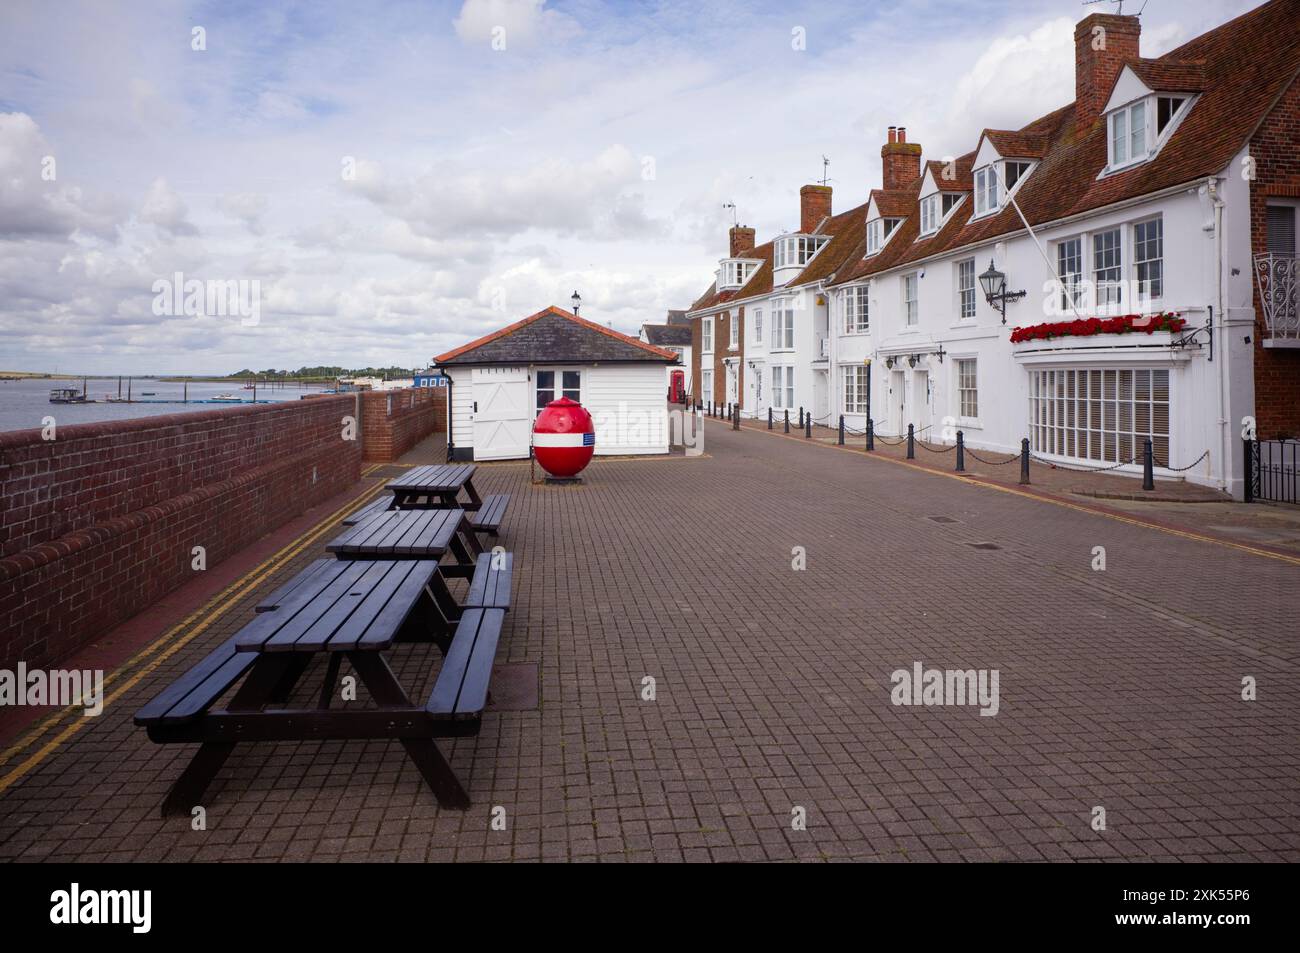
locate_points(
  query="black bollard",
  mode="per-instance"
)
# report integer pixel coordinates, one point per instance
(961, 452)
(807, 422)
(787, 420)
(735, 418)
(871, 434)
(911, 442)
(1024, 460)
(769, 418)
(841, 430)
(1148, 471)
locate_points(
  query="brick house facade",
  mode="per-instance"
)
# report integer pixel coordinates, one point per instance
(1275, 149)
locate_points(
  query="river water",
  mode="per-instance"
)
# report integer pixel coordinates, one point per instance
(24, 403)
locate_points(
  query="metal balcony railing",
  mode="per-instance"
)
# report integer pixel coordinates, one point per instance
(1276, 276)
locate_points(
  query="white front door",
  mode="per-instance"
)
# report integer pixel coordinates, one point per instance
(919, 409)
(898, 398)
(502, 412)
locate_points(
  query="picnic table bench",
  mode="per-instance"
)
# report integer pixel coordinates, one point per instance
(397, 534)
(439, 485)
(353, 609)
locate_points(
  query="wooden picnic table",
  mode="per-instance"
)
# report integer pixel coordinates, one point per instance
(412, 534)
(353, 609)
(435, 486)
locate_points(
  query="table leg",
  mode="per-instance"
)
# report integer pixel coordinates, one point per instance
(474, 498)
(267, 673)
(387, 693)
(331, 679)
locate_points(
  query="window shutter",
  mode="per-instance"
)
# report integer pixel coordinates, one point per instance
(1281, 230)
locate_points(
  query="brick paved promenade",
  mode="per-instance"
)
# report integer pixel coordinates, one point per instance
(1118, 689)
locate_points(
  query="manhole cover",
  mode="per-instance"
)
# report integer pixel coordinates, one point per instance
(513, 687)
(983, 545)
(942, 519)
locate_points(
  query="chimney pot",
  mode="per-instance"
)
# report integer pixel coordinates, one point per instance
(900, 160)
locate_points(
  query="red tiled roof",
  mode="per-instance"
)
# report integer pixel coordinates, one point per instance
(961, 169)
(1017, 145)
(559, 313)
(1247, 64)
(1175, 76)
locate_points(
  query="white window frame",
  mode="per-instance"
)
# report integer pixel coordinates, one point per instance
(857, 309)
(911, 305)
(782, 324)
(557, 388)
(1158, 260)
(1116, 284)
(1078, 413)
(782, 386)
(855, 388)
(706, 384)
(706, 336)
(1124, 117)
(960, 389)
(1073, 293)
(986, 181)
(796, 251)
(930, 214)
(758, 326)
(966, 295)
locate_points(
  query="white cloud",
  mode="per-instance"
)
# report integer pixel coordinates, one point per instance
(164, 208)
(246, 207)
(511, 24)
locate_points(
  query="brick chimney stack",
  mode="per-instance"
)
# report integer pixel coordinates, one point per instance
(742, 241)
(814, 205)
(900, 160)
(1103, 42)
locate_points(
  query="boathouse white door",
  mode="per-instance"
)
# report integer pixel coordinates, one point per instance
(502, 413)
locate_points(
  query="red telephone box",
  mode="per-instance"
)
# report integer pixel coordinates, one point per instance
(677, 388)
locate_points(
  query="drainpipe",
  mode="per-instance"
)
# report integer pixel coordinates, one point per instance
(451, 437)
(1212, 189)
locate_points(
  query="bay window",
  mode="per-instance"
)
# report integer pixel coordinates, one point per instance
(1102, 414)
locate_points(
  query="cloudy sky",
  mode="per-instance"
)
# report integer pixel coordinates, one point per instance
(400, 177)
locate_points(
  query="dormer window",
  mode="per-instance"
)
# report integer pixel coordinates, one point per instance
(878, 232)
(996, 181)
(734, 272)
(797, 250)
(935, 209)
(1136, 131)
(986, 190)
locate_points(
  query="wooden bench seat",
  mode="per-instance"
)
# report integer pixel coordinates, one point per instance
(489, 588)
(487, 519)
(461, 690)
(380, 505)
(194, 692)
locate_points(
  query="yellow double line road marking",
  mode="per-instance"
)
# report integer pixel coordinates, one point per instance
(197, 622)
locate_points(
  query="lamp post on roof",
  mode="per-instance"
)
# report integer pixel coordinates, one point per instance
(577, 301)
(996, 294)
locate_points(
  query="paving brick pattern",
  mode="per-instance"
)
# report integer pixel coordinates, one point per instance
(1118, 689)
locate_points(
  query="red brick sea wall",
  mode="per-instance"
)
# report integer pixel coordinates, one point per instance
(101, 522)
(396, 420)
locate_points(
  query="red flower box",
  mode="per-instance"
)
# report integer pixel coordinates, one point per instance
(1086, 327)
